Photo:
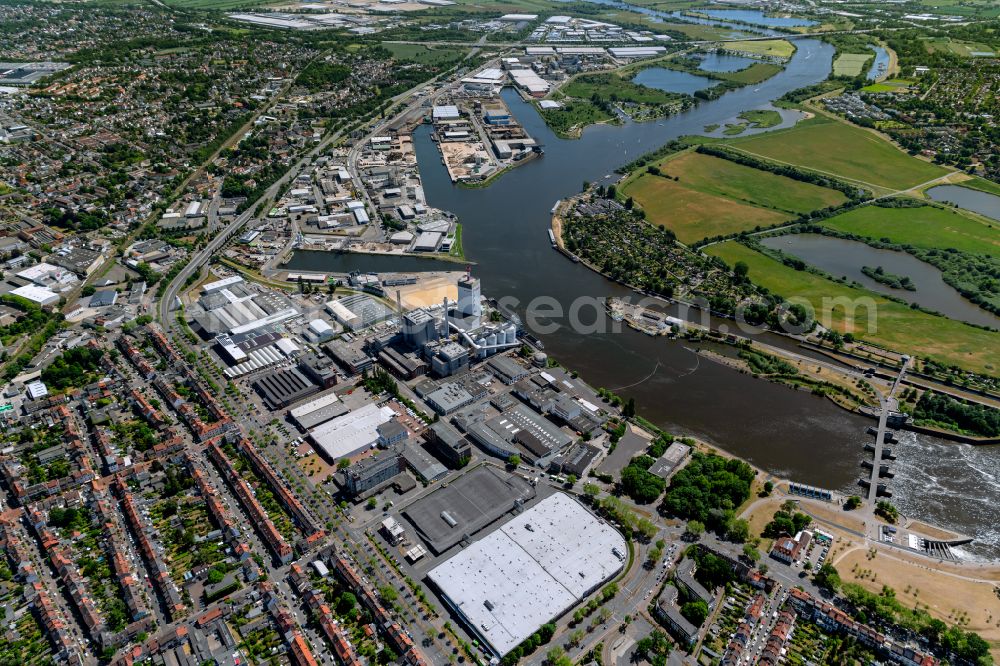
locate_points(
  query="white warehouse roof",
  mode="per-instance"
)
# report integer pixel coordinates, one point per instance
(530, 570)
(37, 295)
(352, 432)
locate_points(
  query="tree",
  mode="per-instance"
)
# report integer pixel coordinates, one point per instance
(629, 410)
(852, 503)
(640, 484)
(750, 552)
(828, 578)
(695, 612)
(695, 528)
(514, 460)
(738, 530)
(346, 603)
(741, 270)
(372, 503)
(343, 463)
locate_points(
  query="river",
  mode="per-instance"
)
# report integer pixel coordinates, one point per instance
(788, 433)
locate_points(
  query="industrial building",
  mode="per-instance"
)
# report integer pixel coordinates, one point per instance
(40, 296)
(449, 399)
(280, 388)
(358, 311)
(466, 505)
(449, 444)
(351, 359)
(372, 473)
(534, 568)
(317, 411)
(351, 433)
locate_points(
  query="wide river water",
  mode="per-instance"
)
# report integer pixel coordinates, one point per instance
(788, 433)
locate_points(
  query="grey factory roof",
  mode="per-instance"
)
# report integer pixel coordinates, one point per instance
(423, 463)
(282, 387)
(470, 502)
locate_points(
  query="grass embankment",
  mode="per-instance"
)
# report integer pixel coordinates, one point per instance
(713, 196)
(833, 147)
(896, 325)
(925, 227)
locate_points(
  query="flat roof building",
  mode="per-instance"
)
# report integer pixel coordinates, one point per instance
(530, 570)
(38, 295)
(280, 388)
(351, 433)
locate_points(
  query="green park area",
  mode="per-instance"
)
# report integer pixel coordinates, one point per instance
(850, 64)
(609, 85)
(573, 115)
(925, 227)
(897, 326)
(700, 196)
(889, 86)
(831, 147)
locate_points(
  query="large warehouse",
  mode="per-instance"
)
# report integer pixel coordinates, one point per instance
(346, 435)
(529, 571)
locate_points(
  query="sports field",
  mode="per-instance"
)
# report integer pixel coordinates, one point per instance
(927, 227)
(713, 196)
(895, 325)
(777, 48)
(850, 64)
(833, 147)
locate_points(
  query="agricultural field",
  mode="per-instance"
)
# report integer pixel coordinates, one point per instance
(714, 196)
(832, 147)
(896, 326)
(850, 64)
(772, 48)
(925, 227)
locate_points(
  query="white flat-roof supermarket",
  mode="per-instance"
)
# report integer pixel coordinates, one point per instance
(530, 570)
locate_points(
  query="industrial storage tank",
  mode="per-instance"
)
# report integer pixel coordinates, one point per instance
(510, 334)
(491, 341)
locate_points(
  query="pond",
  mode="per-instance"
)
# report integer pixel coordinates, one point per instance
(724, 62)
(969, 199)
(844, 258)
(670, 80)
(756, 17)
